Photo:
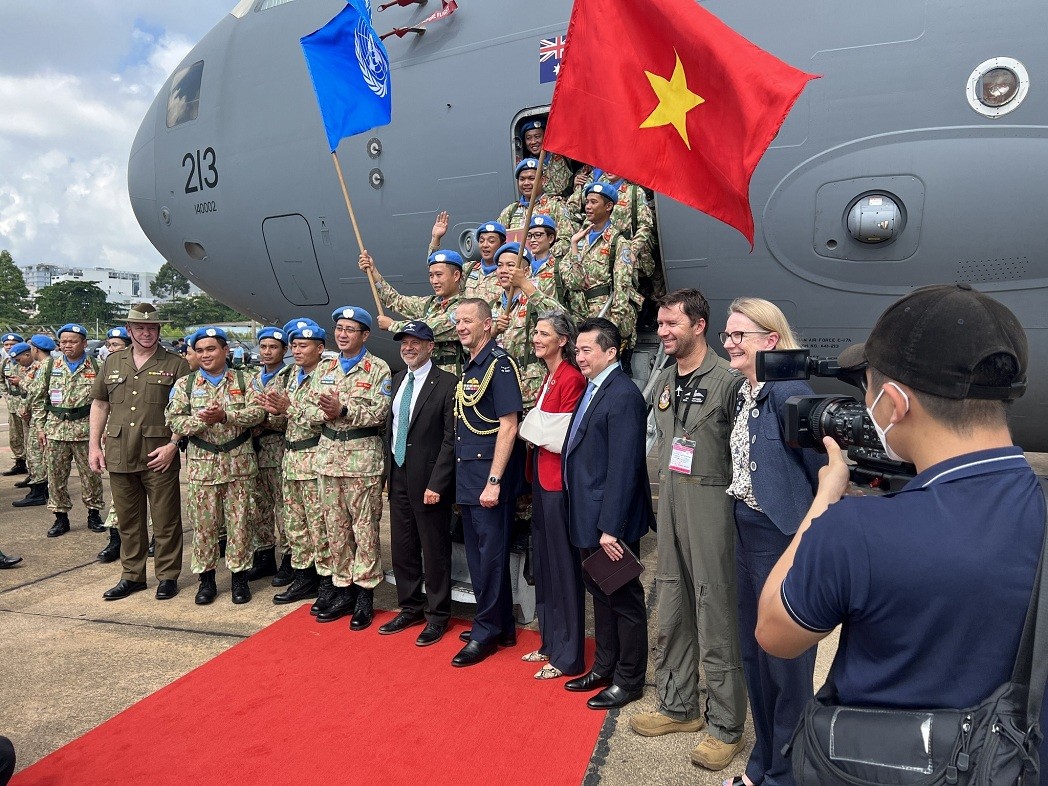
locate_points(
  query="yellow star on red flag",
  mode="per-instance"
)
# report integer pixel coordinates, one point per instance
(675, 101)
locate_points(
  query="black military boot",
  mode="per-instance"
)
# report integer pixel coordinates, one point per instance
(342, 605)
(37, 496)
(304, 586)
(241, 589)
(111, 553)
(151, 551)
(325, 594)
(207, 592)
(364, 613)
(264, 564)
(286, 574)
(25, 482)
(18, 469)
(94, 521)
(60, 527)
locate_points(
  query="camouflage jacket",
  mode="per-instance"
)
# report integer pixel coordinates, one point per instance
(9, 372)
(366, 393)
(436, 312)
(304, 420)
(479, 284)
(20, 406)
(596, 272)
(60, 402)
(269, 434)
(547, 279)
(556, 175)
(208, 463)
(632, 216)
(512, 217)
(516, 339)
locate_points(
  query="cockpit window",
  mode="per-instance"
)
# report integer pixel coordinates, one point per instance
(270, 4)
(183, 103)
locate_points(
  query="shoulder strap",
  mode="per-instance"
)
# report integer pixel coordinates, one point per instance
(190, 381)
(47, 373)
(240, 380)
(633, 202)
(1031, 662)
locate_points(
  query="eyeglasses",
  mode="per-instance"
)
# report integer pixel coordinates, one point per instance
(348, 330)
(536, 235)
(736, 336)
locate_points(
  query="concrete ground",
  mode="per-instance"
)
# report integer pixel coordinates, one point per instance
(70, 660)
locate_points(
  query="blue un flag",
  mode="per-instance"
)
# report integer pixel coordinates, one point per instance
(350, 71)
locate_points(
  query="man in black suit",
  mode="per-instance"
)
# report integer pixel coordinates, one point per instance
(609, 506)
(420, 463)
(7, 760)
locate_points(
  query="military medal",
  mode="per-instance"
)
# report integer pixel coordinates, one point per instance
(664, 399)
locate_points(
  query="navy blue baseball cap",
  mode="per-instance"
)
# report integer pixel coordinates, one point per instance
(414, 328)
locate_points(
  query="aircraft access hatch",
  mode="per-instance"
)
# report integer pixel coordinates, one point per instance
(289, 243)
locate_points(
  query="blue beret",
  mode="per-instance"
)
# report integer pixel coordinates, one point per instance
(272, 332)
(188, 338)
(46, 343)
(491, 226)
(118, 332)
(298, 322)
(11, 337)
(531, 125)
(606, 190)
(72, 327)
(352, 312)
(527, 163)
(447, 257)
(208, 332)
(313, 332)
(513, 248)
(18, 349)
(545, 222)
(415, 328)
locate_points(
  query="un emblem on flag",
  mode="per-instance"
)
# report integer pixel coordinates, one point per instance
(373, 64)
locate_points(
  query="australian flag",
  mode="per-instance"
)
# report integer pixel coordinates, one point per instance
(551, 50)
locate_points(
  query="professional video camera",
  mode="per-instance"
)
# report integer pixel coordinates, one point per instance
(842, 418)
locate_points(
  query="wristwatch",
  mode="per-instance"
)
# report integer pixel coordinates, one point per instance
(494, 480)
(344, 411)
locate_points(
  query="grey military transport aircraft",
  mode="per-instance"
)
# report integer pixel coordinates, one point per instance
(913, 160)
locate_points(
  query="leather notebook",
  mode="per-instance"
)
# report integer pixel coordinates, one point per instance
(610, 575)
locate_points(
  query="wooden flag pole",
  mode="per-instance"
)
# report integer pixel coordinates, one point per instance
(356, 231)
(530, 210)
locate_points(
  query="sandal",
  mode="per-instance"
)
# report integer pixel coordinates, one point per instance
(535, 657)
(548, 672)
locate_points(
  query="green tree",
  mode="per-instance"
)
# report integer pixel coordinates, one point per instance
(169, 283)
(198, 310)
(74, 301)
(14, 296)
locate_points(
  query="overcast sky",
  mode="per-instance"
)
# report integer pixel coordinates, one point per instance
(76, 79)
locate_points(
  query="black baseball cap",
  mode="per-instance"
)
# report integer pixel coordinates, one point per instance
(417, 329)
(933, 339)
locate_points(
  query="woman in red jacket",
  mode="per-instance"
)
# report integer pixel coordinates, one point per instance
(558, 570)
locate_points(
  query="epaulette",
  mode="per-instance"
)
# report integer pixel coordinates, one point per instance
(499, 352)
(734, 372)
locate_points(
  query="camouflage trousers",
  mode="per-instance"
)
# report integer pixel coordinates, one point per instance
(352, 509)
(35, 457)
(268, 527)
(16, 433)
(60, 455)
(304, 525)
(212, 509)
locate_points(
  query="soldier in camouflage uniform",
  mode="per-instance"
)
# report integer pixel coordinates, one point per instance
(268, 438)
(350, 465)
(599, 276)
(512, 217)
(632, 216)
(12, 391)
(40, 347)
(542, 234)
(437, 311)
(216, 409)
(299, 404)
(17, 376)
(556, 173)
(60, 405)
(480, 280)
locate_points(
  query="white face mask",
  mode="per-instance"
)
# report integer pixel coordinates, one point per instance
(882, 433)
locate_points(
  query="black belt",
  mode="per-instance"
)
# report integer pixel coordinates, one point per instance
(595, 292)
(69, 413)
(351, 433)
(269, 432)
(224, 447)
(302, 444)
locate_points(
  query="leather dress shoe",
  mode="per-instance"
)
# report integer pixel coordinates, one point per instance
(473, 653)
(166, 589)
(8, 562)
(122, 589)
(587, 682)
(504, 639)
(402, 621)
(431, 634)
(612, 698)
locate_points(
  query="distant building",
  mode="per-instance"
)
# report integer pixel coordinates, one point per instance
(122, 287)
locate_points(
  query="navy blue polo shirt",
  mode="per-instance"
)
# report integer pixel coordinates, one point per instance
(930, 584)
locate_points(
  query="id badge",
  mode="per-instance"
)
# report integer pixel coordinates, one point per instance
(56, 397)
(682, 455)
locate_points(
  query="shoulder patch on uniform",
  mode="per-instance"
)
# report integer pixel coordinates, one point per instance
(387, 387)
(499, 352)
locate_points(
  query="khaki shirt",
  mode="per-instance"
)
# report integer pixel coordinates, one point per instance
(137, 398)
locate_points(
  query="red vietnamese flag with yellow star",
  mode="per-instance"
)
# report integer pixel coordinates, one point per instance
(664, 94)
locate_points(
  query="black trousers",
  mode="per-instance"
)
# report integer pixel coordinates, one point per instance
(7, 758)
(487, 532)
(421, 549)
(620, 627)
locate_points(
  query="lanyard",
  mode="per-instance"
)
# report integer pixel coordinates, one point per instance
(686, 392)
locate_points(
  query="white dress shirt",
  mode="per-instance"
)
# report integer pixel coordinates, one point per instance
(420, 375)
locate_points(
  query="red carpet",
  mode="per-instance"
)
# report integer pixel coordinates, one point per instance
(304, 703)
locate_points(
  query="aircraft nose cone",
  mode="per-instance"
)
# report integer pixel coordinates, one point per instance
(141, 176)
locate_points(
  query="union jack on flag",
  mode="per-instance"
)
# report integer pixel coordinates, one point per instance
(551, 50)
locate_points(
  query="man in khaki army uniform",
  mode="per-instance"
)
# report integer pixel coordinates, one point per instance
(40, 348)
(299, 403)
(268, 530)
(60, 403)
(437, 311)
(632, 216)
(13, 392)
(356, 400)
(216, 408)
(598, 273)
(556, 173)
(140, 453)
(512, 216)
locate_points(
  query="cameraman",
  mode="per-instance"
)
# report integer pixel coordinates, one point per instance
(930, 584)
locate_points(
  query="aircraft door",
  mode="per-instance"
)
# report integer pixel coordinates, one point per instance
(289, 242)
